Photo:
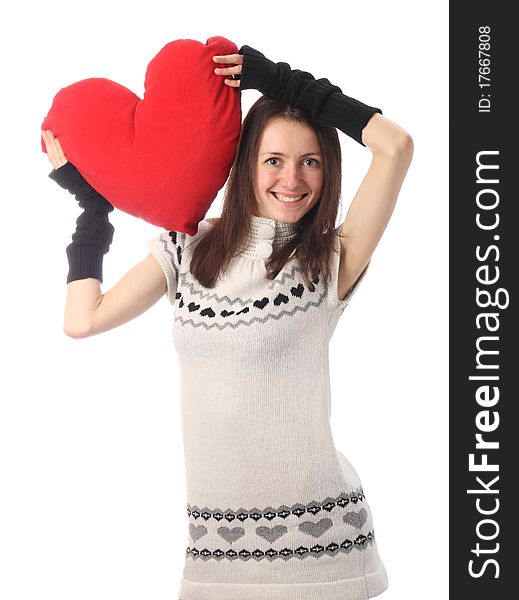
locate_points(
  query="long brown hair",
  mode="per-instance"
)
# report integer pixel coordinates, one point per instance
(313, 243)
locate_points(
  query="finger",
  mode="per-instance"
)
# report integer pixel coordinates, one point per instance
(51, 150)
(228, 70)
(49, 145)
(232, 82)
(59, 153)
(44, 138)
(229, 58)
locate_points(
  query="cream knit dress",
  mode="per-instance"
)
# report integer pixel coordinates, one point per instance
(274, 511)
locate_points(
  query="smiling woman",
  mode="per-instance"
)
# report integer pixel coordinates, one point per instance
(281, 151)
(289, 180)
(255, 297)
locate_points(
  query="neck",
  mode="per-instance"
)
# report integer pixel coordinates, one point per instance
(265, 234)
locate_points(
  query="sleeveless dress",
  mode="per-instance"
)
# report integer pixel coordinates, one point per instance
(274, 510)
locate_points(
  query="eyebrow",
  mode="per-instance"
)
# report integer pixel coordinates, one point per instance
(302, 155)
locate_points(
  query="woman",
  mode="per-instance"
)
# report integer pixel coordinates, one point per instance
(274, 509)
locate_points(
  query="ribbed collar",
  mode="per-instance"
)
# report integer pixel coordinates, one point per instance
(265, 234)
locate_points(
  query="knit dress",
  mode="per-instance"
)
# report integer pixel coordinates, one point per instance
(274, 510)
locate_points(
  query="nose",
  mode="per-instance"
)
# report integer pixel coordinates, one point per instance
(291, 176)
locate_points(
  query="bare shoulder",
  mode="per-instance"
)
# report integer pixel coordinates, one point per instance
(213, 219)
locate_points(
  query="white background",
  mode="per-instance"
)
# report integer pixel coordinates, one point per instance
(92, 501)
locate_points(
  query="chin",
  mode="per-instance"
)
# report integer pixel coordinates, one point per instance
(281, 213)
(287, 217)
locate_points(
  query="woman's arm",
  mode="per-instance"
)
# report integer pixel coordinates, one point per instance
(325, 102)
(89, 312)
(391, 146)
(373, 204)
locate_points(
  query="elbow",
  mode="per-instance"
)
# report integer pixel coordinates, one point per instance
(76, 332)
(402, 146)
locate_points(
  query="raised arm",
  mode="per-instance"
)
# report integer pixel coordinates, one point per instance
(88, 311)
(372, 206)
(391, 146)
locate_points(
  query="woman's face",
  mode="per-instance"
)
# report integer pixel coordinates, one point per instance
(290, 166)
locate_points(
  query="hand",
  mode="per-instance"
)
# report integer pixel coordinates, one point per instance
(237, 60)
(54, 150)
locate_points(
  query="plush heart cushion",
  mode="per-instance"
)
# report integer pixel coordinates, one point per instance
(162, 158)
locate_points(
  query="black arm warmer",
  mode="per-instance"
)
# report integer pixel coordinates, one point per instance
(325, 102)
(94, 232)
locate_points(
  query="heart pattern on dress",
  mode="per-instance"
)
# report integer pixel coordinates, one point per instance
(271, 534)
(261, 303)
(280, 299)
(297, 291)
(356, 519)
(231, 535)
(315, 529)
(196, 532)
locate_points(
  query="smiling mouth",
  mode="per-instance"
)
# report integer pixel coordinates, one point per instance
(287, 199)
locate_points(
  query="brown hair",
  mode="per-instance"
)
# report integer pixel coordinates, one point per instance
(313, 244)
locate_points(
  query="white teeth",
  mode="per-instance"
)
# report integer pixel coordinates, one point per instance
(286, 199)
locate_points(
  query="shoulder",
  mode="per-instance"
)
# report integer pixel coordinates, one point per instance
(204, 226)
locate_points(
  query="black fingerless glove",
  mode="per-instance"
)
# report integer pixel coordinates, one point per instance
(94, 232)
(325, 102)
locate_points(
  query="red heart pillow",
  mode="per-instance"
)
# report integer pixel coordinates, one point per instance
(162, 158)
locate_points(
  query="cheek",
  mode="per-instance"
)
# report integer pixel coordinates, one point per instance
(317, 183)
(263, 180)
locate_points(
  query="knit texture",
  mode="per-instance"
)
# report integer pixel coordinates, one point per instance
(94, 232)
(325, 102)
(274, 510)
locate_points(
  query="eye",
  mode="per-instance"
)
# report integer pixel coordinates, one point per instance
(313, 162)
